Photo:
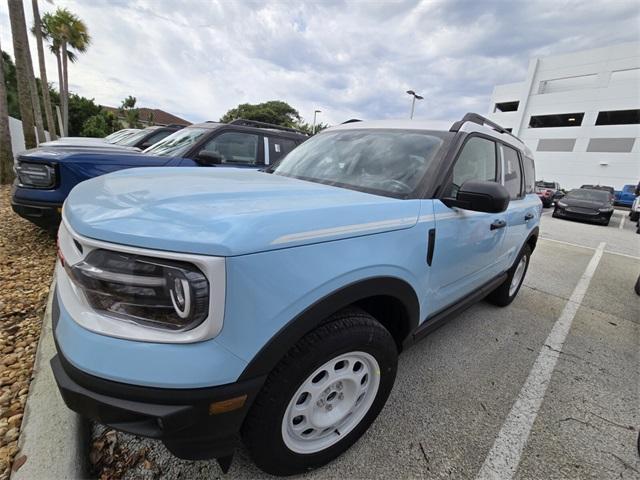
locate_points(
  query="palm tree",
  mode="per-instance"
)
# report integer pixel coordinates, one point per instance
(68, 34)
(20, 48)
(37, 30)
(6, 154)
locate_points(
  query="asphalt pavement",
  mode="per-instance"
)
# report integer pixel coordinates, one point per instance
(497, 390)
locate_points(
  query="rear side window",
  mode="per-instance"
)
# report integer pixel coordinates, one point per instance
(279, 147)
(477, 161)
(512, 173)
(529, 175)
(235, 147)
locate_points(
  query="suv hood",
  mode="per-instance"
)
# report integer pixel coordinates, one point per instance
(226, 211)
(92, 156)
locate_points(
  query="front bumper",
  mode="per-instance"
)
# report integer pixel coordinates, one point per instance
(194, 424)
(44, 215)
(595, 217)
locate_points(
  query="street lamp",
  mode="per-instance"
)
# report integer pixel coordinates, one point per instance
(413, 101)
(313, 129)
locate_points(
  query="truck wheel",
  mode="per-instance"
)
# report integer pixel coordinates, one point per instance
(633, 216)
(323, 395)
(506, 293)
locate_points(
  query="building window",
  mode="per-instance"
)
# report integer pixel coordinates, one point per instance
(556, 144)
(621, 145)
(506, 107)
(557, 120)
(619, 117)
(568, 83)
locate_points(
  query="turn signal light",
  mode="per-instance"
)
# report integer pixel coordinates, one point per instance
(229, 405)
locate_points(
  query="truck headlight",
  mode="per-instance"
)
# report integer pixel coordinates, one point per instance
(606, 209)
(562, 205)
(159, 293)
(36, 175)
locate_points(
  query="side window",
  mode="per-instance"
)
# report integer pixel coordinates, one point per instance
(279, 147)
(477, 161)
(529, 175)
(512, 173)
(155, 138)
(235, 147)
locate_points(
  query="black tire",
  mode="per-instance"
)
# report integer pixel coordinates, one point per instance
(638, 286)
(633, 216)
(554, 214)
(346, 331)
(500, 296)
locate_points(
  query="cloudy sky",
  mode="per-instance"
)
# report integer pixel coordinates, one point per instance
(198, 58)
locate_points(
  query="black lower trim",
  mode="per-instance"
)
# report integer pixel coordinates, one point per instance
(438, 319)
(44, 215)
(178, 417)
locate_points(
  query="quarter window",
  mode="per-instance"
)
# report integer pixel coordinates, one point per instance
(235, 147)
(529, 175)
(477, 161)
(279, 147)
(512, 173)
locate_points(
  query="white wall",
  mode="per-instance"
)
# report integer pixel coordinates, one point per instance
(17, 137)
(589, 81)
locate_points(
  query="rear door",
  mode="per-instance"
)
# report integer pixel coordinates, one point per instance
(468, 245)
(523, 209)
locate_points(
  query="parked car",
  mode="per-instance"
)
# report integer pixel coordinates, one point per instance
(626, 196)
(45, 176)
(587, 204)
(548, 192)
(201, 306)
(133, 139)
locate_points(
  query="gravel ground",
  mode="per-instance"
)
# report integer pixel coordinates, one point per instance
(27, 258)
(455, 388)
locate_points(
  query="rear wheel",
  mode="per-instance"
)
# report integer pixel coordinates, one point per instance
(633, 216)
(507, 291)
(323, 395)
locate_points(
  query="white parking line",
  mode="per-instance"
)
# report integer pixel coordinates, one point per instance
(547, 239)
(503, 458)
(622, 218)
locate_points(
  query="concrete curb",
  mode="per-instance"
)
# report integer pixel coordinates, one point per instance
(52, 438)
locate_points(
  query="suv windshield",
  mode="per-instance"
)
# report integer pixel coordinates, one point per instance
(589, 194)
(176, 144)
(388, 162)
(131, 140)
(545, 184)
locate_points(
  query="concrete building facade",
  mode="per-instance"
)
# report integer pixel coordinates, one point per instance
(580, 115)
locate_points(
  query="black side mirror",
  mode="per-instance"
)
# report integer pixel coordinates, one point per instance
(207, 157)
(480, 196)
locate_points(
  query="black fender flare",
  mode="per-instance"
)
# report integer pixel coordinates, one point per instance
(317, 313)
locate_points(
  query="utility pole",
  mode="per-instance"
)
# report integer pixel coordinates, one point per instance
(313, 129)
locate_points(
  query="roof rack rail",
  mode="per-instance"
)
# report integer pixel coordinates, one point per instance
(175, 125)
(257, 124)
(480, 120)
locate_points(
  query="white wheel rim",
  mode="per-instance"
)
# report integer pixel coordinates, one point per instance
(331, 402)
(518, 275)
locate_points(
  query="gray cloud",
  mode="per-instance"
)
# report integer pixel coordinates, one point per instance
(350, 59)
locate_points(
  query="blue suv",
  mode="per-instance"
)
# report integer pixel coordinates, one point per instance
(46, 175)
(205, 307)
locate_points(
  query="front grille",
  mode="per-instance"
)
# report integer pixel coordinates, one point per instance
(582, 210)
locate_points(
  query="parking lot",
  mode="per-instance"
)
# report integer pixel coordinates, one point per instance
(455, 390)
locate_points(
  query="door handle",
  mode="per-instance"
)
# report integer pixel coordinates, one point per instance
(498, 224)
(528, 217)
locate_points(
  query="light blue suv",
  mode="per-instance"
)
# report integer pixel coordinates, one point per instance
(204, 307)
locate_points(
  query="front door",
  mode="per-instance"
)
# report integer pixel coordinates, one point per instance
(468, 245)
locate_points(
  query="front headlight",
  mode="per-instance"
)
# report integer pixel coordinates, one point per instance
(160, 293)
(36, 175)
(606, 209)
(562, 205)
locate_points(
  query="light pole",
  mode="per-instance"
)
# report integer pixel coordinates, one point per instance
(413, 101)
(313, 129)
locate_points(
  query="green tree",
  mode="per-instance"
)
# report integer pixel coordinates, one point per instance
(67, 34)
(274, 111)
(6, 152)
(11, 85)
(80, 110)
(308, 127)
(130, 113)
(100, 125)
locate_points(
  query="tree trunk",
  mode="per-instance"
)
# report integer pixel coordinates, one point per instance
(51, 125)
(65, 79)
(6, 153)
(60, 87)
(19, 33)
(35, 98)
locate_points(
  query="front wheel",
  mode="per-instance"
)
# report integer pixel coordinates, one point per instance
(323, 395)
(507, 291)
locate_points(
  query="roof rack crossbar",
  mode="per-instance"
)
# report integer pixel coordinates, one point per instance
(480, 120)
(257, 124)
